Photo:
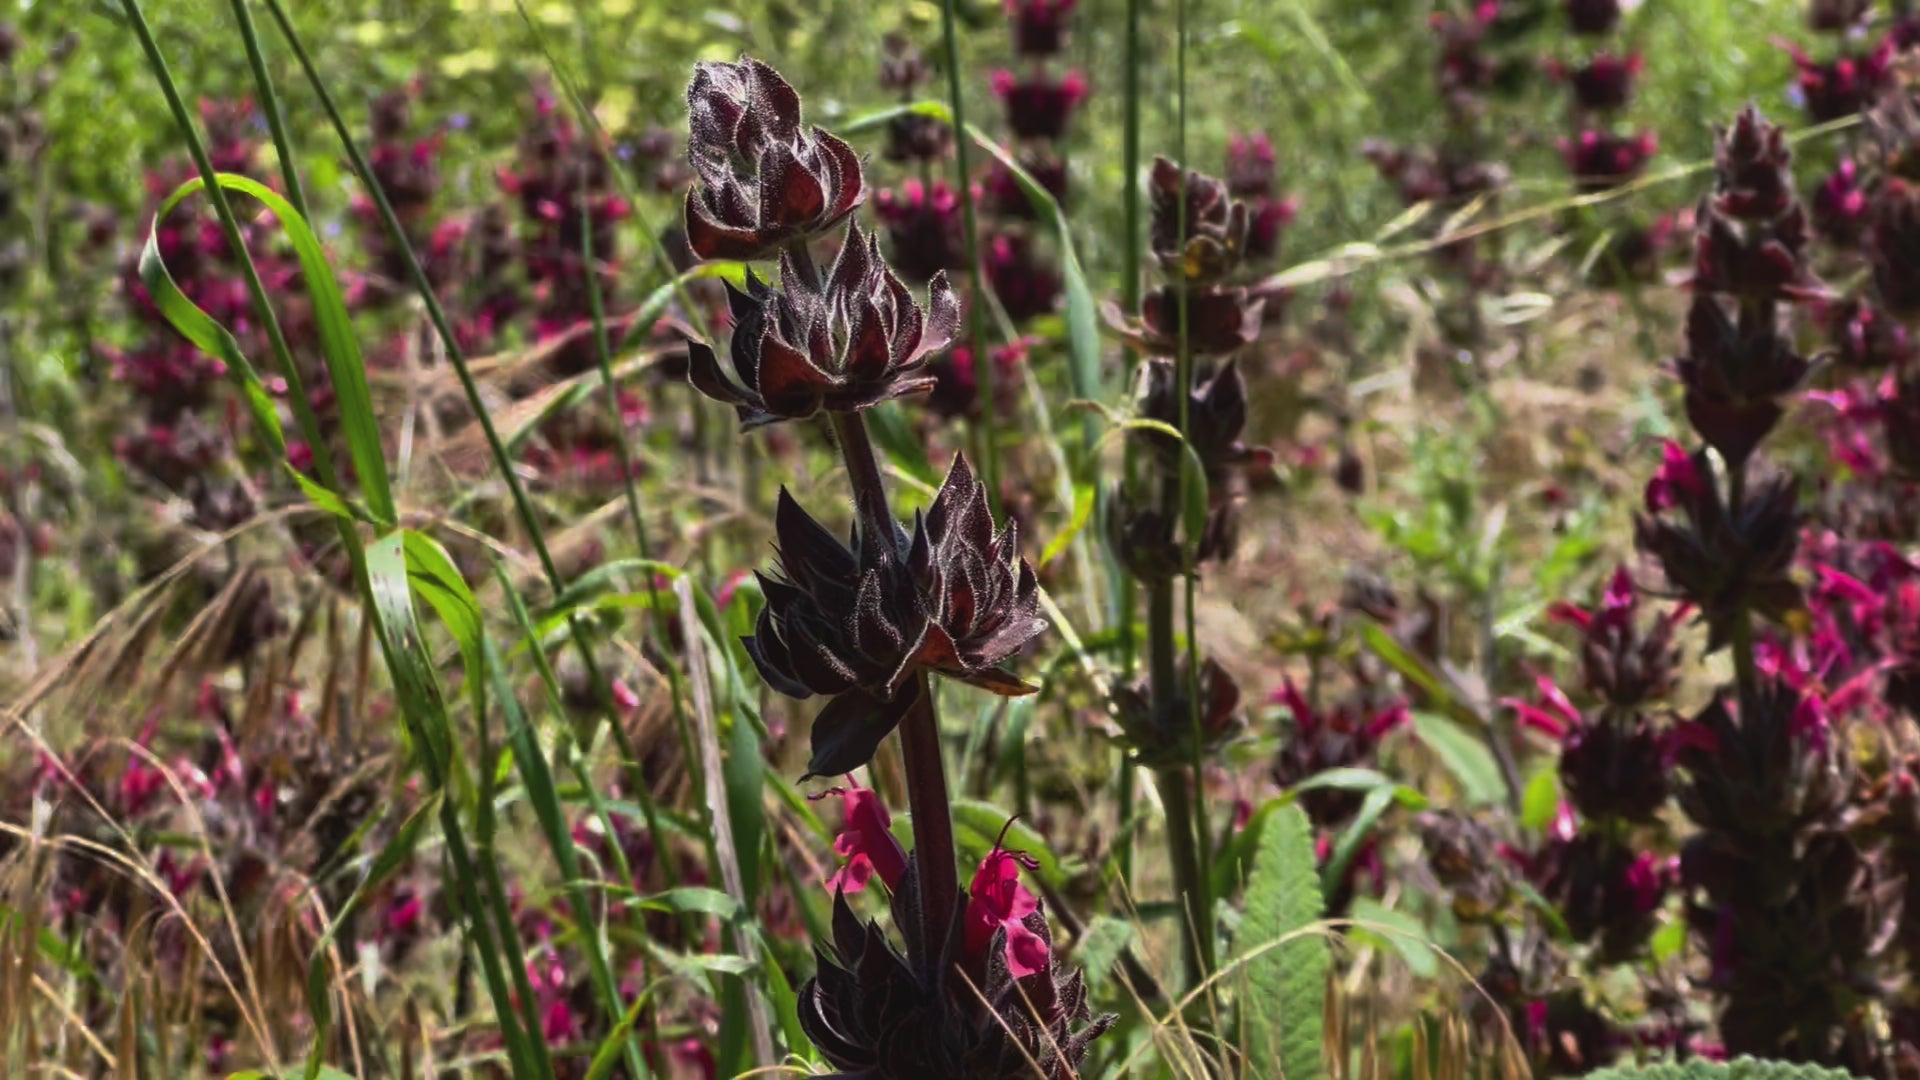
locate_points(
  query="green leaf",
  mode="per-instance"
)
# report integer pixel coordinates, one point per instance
(744, 773)
(1466, 757)
(690, 900)
(1354, 835)
(325, 498)
(200, 328)
(1347, 778)
(1541, 799)
(1283, 1010)
(1745, 1068)
(786, 1003)
(1666, 942)
(1083, 500)
(1397, 930)
(903, 447)
(437, 581)
(346, 369)
(1101, 947)
(976, 825)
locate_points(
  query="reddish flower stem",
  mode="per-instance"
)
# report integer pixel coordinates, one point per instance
(863, 474)
(927, 797)
(933, 849)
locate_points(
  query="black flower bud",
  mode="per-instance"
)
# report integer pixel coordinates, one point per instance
(848, 344)
(858, 623)
(1164, 737)
(875, 1011)
(765, 182)
(1199, 232)
(1724, 561)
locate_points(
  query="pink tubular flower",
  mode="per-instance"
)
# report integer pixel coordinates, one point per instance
(865, 841)
(996, 899)
(1677, 478)
(1554, 715)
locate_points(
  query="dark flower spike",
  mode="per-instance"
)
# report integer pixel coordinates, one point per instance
(1605, 81)
(1722, 561)
(850, 344)
(879, 1014)
(858, 624)
(1204, 242)
(765, 182)
(1893, 245)
(1039, 26)
(1216, 415)
(981, 596)
(1902, 425)
(1147, 537)
(1165, 738)
(1593, 17)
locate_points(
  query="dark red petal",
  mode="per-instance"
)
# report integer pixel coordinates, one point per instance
(868, 352)
(703, 371)
(807, 550)
(712, 239)
(853, 265)
(943, 315)
(789, 383)
(769, 655)
(851, 189)
(790, 196)
(815, 663)
(776, 101)
(850, 729)
(999, 682)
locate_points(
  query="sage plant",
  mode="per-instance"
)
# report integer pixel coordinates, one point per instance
(865, 622)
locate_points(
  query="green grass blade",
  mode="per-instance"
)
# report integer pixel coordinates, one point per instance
(338, 345)
(201, 329)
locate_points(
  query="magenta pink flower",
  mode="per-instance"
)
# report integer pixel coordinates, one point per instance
(997, 900)
(865, 841)
(1677, 479)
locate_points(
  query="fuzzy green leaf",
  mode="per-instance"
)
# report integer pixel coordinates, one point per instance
(1466, 757)
(1283, 1007)
(1745, 1068)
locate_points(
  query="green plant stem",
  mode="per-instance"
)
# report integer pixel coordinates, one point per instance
(1176, 785)
(1127, 592)
(982, 363)
(1184, 838)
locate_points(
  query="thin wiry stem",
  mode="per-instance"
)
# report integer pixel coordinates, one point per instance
(982, 364)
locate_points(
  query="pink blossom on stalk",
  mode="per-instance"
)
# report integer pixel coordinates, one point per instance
(1839, 205)
(1601, 160)
(1677, 478)
(1038, 106)
(865, 841)
(996, 899)
(1554, 716)
(1841, 86)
